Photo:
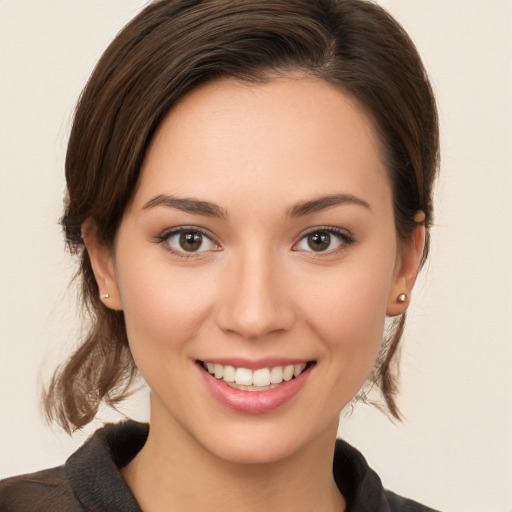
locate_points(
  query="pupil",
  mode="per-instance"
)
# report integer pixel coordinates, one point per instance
(319, 241)
(190, 241)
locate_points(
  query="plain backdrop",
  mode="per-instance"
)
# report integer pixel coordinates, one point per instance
(454, 450)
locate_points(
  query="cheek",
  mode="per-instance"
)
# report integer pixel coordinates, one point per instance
(348, 313)
(163, 308)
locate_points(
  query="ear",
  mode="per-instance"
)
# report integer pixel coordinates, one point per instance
(103, 265)
(406, 269)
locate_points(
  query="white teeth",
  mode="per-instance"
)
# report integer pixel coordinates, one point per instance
(299, 368)
(229, 373)
(276, 375)
(243, 376)
(288, 372)
(252, 388)
(261, 377)
(257, 380)
(218, 371)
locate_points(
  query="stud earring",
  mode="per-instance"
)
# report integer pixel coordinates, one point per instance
(104, 295)
(402, 298)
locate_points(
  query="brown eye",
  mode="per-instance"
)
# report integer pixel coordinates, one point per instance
(324, 240)
(184, 240)
(319, 241)
(191, 241)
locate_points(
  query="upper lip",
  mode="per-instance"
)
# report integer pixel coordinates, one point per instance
(254, 364)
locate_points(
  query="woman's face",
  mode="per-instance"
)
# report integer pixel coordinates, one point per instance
(261, 237)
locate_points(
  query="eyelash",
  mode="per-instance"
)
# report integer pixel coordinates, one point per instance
(342, 236)
(166, 235)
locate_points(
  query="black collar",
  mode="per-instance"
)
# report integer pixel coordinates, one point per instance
(94, 476)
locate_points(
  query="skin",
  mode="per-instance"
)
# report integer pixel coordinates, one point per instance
(257, 289)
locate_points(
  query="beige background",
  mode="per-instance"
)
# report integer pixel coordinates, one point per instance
(454, 451)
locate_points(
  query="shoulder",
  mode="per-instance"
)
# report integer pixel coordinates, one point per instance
(363, 488)
(400, 504)
(89, 480)
(37, 492)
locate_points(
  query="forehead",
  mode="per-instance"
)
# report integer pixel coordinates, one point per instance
(287, 138)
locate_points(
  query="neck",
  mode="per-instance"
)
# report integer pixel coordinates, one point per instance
(174, 469)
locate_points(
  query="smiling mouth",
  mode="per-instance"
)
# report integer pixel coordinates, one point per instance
(261, 379)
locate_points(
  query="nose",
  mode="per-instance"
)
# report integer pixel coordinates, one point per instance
(255, 300)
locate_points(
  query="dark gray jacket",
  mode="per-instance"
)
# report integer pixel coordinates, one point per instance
(90, 479)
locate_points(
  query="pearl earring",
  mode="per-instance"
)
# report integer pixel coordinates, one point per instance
(402, 298)
(104, 295)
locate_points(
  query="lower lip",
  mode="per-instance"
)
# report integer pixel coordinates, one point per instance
(254, 402)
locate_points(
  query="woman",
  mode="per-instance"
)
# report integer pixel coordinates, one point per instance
(249, 191)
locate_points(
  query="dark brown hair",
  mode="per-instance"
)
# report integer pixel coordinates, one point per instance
(172, 47)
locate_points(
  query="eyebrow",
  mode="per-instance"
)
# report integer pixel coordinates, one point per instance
(324, 202)
(209, 209)
(186, 204)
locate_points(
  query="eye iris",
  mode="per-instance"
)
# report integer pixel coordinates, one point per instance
(191, 241)
(319, 241)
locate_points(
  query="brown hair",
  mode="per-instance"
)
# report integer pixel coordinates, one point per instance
(172, 47)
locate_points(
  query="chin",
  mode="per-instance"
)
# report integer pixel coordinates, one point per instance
(254, 449)
(266, 441)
